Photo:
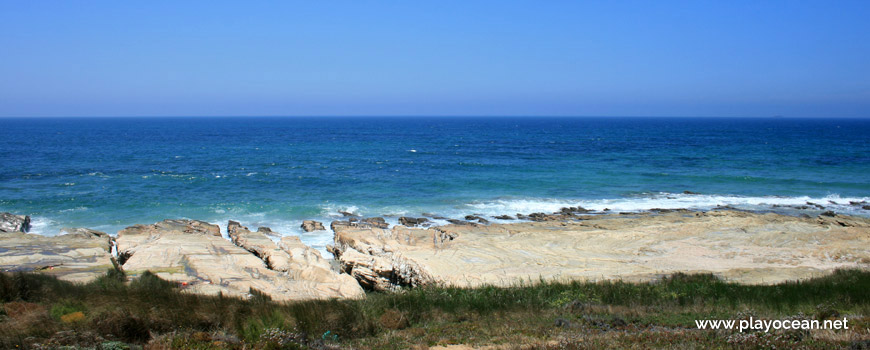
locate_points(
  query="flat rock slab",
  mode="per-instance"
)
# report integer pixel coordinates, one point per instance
(738, 246)
(81, 255)
(194, 254)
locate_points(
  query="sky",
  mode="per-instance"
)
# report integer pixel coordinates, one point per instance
(451, 58)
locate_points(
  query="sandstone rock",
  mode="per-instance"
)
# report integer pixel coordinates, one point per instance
(81, 256)
(736, 245)
(260, 245)
(311, 225)
(194, 254)
(14, 223)
(504, 217)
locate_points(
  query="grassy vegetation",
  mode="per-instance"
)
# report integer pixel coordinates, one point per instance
(42, 312)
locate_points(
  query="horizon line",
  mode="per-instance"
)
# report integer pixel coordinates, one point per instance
(427, 116)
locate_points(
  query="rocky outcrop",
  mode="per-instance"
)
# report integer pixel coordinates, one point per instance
(14, 223)
(311, 225)
(736, 245)
(193, 254)
(80, 255)
(476, 218)
(368, 255)
(411, 222)
(378, 222)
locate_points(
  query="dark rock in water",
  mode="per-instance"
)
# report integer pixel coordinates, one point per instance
(504, 217)
(378, 222)
(477, 218)
(311, 225)
(857, 203)
(690, 192)
(866, 207)
(353, 219)
(541, 217)
(816, 205)
(347, 214)
(522, 217)
(411, 222)
(660, 210)
(460, 222)
(14, 223)
(436, 217)
(828, 213)
(606, 209)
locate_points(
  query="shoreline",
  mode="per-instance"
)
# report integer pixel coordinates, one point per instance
(572, 244)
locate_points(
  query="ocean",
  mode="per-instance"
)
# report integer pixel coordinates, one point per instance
(109, 173)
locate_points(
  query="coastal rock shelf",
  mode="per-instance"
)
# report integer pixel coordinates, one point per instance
(194, 254)
(568, 245)
(739, 246)
(80, 255)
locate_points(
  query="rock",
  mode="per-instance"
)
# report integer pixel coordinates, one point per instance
(739, 246)
(504, 217)
(411, 222)
(14, 223)
(543, 217)
(460, 222)
(376, 222)
(347, 214)
(260, 245)
(434, 216)
(830, 218)
(311, 225)
(866, 207)
(193, 254)
(690, 192)
(477, 218)
(81, 255)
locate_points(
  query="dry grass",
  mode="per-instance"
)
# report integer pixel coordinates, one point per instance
(40, 311)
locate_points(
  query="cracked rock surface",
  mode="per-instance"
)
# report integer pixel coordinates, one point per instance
(194, 254)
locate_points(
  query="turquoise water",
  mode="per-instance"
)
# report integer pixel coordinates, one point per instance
(108, 173)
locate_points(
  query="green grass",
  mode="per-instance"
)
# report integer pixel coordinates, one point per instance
(148, 310)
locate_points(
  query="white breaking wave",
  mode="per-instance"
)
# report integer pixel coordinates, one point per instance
(669, 201)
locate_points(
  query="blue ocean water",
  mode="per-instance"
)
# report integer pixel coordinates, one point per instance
(108, 173)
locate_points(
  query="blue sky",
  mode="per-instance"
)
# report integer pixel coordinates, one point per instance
(585, 58)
